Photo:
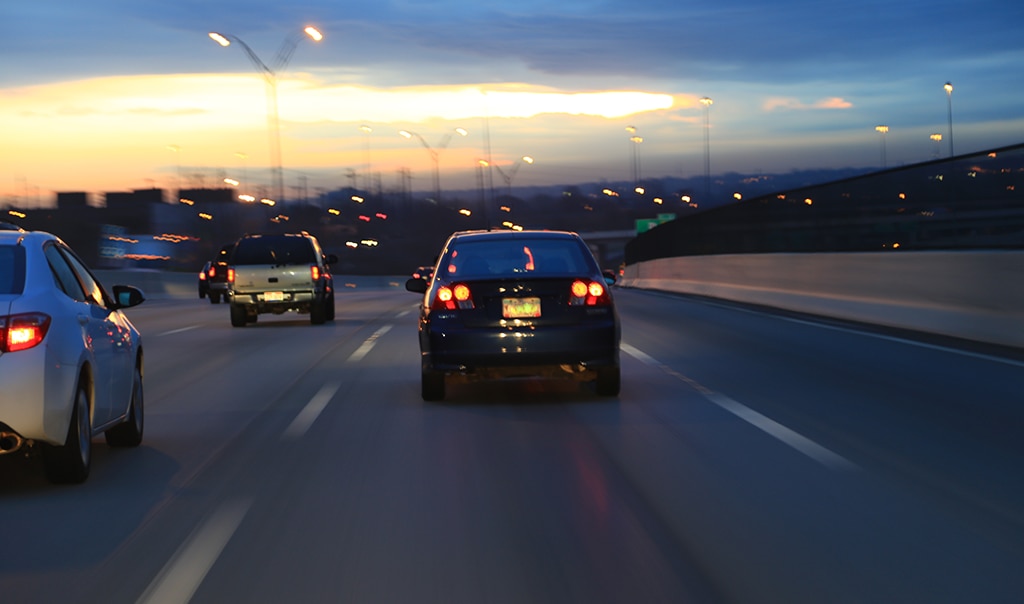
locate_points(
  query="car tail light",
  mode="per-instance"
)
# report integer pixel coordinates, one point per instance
(21, 332)
(231, 274)
(453, 297)
(213, 272)
(588, 293)
(314, 272)
(202, 276)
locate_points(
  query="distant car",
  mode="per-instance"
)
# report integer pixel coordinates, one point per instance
(517, 303)
(213, 279)
(423, 272)
(278, 274)
(70, 360)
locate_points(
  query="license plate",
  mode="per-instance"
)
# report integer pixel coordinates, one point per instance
(520, 308)
(273, 296)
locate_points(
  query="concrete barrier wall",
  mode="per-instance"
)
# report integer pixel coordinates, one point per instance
(973, 295)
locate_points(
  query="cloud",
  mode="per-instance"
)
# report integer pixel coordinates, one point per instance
(784, 103)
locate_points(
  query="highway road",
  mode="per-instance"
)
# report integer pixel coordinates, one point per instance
(751, 457)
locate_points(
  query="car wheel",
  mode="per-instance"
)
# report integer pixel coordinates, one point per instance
(214, 298)
(609, 381)
(432, 385)
(330, 307)
(238, 316)
(69, 463)
(318, 312)
(129, 433)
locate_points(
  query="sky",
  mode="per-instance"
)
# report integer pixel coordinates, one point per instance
(116, 95)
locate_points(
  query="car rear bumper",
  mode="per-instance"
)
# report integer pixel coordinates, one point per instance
(453, 348)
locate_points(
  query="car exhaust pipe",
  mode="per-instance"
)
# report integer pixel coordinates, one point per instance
(10, 442)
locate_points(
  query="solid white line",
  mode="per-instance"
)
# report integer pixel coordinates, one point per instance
(310, 412)
(366, 346)
(795, 440)
(799, 442)
(182, 575)
(179, 330)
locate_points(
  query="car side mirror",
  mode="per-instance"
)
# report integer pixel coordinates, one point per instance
(128, 296)
(415, 285)
(609, 277)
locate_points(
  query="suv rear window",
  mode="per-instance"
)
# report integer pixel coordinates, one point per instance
(275, 250)
(12, 269)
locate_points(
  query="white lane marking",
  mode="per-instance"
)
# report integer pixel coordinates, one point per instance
(310, 412)
(185, 571)
(404, 313)
(179, 330)
(769, 426)
(366, 346)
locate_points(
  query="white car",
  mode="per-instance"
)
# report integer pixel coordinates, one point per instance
(70, 360)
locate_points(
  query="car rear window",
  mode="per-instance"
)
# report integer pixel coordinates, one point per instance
(512, 257)
(274, 250)
(12, 269)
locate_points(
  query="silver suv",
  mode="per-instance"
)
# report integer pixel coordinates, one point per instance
(278, 274)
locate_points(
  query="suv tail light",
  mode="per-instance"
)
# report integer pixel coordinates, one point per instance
(213, 271)
(314, 272)
(231, 274)
(451, 297)
(21, 332)
(588, 293)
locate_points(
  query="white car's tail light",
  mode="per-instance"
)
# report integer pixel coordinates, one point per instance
(21, 332)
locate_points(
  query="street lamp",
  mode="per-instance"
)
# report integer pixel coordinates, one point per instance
(707, 102)
(883, 129)
(938, 143)
(435, 154)
(635, 152)
(949, 105)
(270, 77)
(508, 176)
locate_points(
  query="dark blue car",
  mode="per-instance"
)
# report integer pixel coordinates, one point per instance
(517, 303)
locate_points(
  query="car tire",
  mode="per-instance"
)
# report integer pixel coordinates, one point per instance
(69, 463)
(318, 312)
(432, 385)
(129, 433)
(238, 316)
(330, 307)
(214, 298)
(609, 381)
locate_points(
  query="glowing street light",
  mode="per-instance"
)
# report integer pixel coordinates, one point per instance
(938, 143)
(508, 176)
(270, 77)
(435, 154)
(949, 105)
(884, 130)
(635, 149)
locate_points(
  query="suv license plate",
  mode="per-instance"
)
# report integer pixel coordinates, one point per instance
(273, 296)
(519, 308)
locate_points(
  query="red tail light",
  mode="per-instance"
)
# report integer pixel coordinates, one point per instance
(213, 272)
(21, 332)
(588, 293)
(453, 297)
(202, 276)
(314, 272)
(231, 275)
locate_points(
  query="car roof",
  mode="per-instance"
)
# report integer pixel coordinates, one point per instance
(504, 234)
(10, 237)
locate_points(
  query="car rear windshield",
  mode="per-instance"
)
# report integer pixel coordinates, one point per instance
(12, 269)
(274, 250)
(517, 257)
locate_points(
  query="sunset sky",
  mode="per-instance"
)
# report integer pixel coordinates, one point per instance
(114, 95)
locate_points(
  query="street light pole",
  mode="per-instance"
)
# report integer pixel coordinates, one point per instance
(883, 129)
(507, 177)
(949, 105)
(435, 154)
(707, 102)
(269, 74)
